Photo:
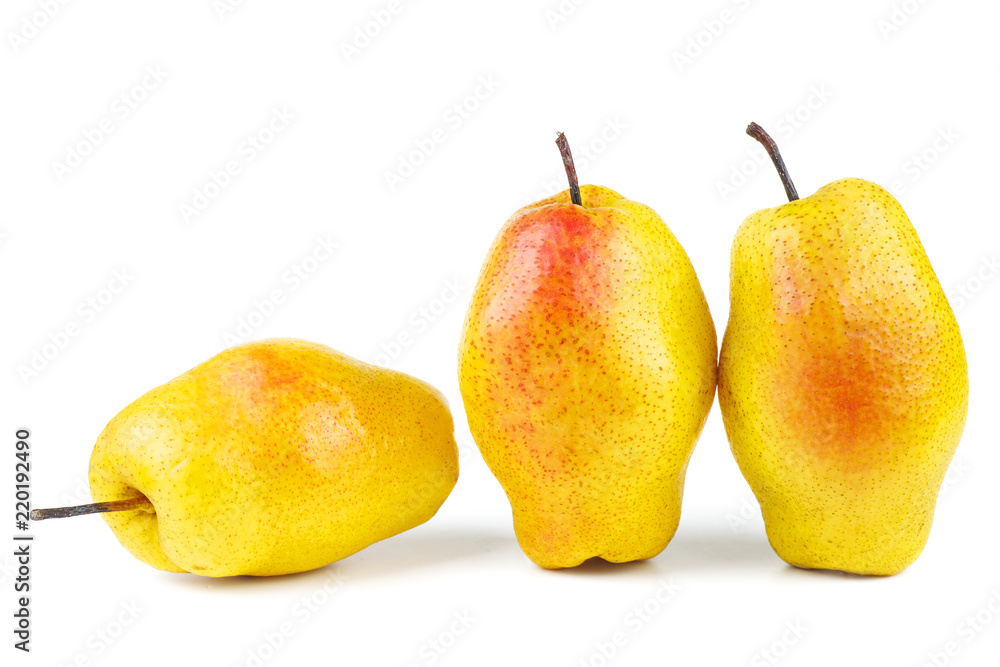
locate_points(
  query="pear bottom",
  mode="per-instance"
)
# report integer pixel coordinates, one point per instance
(811, 538)
(615, 534)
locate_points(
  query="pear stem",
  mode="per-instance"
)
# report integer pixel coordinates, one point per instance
(142, 502)
(758, 133)
(567, 158)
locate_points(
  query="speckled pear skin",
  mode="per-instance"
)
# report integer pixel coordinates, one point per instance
(274, 457)
(587, 368)
(842, 378)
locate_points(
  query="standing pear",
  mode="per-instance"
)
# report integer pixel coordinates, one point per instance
(842, 376)
(587, 367)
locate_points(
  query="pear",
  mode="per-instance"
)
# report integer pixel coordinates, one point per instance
(587, 369)
(842, 376)
(272, 457)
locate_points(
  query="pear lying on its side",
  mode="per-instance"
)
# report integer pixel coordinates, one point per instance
(842, 377)
(274, 457)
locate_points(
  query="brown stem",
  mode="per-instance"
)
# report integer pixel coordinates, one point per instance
(142, 502)
(758, 133)
(567, 158)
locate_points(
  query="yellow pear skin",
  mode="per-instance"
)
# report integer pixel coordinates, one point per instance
(842, 378)
(274, 457)
(587, 368)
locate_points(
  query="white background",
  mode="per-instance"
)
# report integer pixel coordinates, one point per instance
(863, 101)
